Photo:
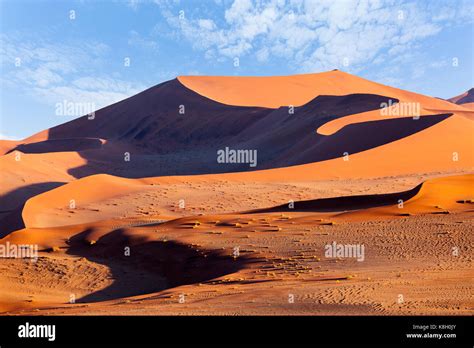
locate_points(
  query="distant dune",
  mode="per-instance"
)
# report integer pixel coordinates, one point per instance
(465, 98)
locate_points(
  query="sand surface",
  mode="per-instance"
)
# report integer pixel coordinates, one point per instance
(281, 255)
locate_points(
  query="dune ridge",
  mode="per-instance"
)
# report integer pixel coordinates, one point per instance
(296, 90)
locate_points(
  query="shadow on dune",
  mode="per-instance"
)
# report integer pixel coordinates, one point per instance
(345, 203)
(171, 130)
(277, 148)
(59, 145)
(152, 266)
(14, 201)
(353, 138)
(359, 137)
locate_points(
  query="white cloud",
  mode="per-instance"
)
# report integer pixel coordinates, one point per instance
(41, 76)
(314, 35)
(206, 24)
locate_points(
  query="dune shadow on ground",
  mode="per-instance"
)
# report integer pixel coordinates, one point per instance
(151, 266)
(344, 203)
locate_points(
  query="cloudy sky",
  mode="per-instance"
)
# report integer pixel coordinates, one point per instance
(99, 52)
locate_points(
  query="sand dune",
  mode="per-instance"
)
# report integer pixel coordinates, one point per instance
(438, 146)
(157, 127)
(449, 193)
(469, 105)
(23, 174)
(336, 125)
(443, 148)
(276, 91)
(464, 98)
(89, 194)
(7, 145)
(163, 142)
(75, 194)
(436, 196)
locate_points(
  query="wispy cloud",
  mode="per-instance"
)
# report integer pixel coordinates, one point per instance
(135, 39)
(52, 72)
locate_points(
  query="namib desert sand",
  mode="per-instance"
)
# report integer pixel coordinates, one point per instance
(351, 209)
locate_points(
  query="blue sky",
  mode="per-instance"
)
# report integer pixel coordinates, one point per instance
(78, 51)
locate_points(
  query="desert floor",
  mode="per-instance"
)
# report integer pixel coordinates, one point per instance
(217, 255)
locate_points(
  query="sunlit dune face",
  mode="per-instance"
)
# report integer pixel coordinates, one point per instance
(296, 90)
(273, 91)
(469, 106)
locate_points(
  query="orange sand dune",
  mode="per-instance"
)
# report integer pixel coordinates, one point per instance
(469, 106)
(7, 145)
(48, 237)
(334, 126)
(435, 196)
(446, 192)
(77, 193)
(82, 231)
(296, 90)
(436, 146)
(30, 172)
(51, 208)
(438, 196)
(430, 150)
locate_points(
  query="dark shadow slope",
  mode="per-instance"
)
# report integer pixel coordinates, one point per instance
(13, 202)
(345, 203)
(171, 130)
